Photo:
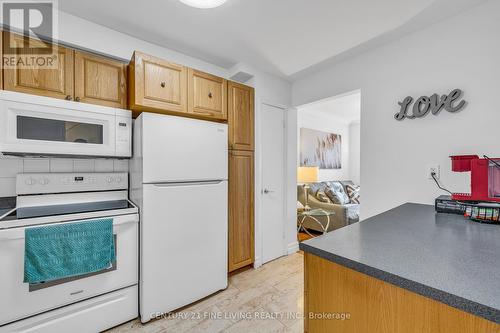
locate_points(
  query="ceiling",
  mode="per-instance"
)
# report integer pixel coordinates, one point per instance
(345, 108)
(282, 37)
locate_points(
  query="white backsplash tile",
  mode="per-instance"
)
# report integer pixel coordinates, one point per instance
(83, 165)
(36, 165)
(7, 187)
(104, 165)
(10, 166)
(120, 165)
(61, 165)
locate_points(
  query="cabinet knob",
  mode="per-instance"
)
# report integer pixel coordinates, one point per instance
(77, 99)
(68, 97)
(162, 84)
(210, 95)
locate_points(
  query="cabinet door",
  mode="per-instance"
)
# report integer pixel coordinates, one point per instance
(207, 95)
(241, 209)
(54, 82)
(100, 80)
(159, 85)
(241, 116)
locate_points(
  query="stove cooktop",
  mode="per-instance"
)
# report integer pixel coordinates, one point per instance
(65, 209)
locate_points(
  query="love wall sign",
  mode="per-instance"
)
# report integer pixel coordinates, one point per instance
(430, 104)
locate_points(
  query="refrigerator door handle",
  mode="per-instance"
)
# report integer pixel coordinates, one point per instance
(188, 183)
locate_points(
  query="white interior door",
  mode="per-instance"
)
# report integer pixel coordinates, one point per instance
(273, 183)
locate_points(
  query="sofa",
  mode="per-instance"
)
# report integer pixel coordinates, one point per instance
(345, 214)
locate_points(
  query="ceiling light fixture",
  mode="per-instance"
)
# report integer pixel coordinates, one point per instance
(203, 3)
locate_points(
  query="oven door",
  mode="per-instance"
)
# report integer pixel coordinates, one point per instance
(43, 126)
(20, 300)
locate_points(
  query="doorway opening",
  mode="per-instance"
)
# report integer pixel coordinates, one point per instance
(328, 162)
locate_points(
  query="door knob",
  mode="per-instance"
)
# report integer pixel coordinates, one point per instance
(266, 191)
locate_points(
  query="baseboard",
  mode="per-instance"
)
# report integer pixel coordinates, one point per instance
(293, 247)
(257, 262)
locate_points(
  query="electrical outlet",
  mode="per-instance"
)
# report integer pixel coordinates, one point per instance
(434, 168)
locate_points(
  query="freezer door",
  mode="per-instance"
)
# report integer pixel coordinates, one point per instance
(183, 245)
(182, 149)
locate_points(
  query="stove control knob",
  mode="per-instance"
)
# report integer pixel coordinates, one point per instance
(109, 179)
(118, 179)
(43, 181)
(30, 181)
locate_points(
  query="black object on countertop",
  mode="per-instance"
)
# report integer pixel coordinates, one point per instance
(445, 204)
(441, 256)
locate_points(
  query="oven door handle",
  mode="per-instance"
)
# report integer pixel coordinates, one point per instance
(18, 233)
(14, 236)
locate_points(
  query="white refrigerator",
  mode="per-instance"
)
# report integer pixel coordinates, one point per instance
(179, 181)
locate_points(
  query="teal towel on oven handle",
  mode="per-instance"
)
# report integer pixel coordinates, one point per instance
(67, 250)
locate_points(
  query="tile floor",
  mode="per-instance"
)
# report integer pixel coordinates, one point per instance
(266, 300)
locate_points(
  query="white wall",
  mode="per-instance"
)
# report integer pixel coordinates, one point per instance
(461, 52)
(330, 124)
(84, 34)
(355, 152)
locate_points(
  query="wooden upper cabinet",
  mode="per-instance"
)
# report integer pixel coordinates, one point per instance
(56, 82)
(207, 95)
(157, 85)
(241, 209)
(241, 116)
(100, 80)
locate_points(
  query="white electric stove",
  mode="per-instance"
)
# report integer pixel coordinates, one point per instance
(88, 303)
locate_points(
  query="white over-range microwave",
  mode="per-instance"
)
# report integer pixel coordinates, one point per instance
(44, 126)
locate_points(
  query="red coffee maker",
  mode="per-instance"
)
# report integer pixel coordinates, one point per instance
(485, 177)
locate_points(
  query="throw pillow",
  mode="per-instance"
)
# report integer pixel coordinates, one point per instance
(315, 187)
(321, 196)
(353, 193)
(337, 197)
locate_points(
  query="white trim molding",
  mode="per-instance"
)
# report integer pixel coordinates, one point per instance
(292, 248)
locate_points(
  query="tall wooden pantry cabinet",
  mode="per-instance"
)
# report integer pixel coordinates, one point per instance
(241, 175)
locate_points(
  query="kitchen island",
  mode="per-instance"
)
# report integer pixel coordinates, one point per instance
(406, 270)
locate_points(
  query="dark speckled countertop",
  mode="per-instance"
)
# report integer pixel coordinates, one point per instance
(441, 256)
